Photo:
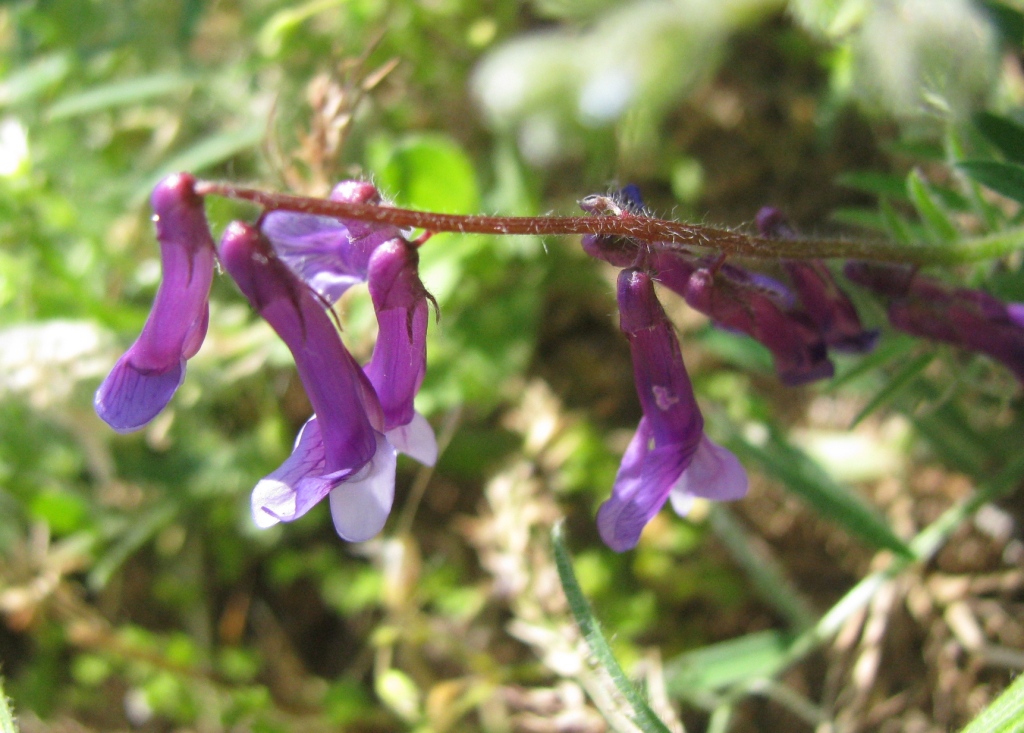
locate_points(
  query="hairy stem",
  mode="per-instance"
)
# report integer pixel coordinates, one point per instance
(648, 229)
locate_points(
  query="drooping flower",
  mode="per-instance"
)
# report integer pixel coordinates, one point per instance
(828, 307)
(669, 456)
(342, 451)
(970, 319)
(145, 378)
(330, 254)
(399, 359)
(762, 308)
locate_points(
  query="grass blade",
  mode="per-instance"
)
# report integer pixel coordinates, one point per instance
(802, 475)
(642, 714)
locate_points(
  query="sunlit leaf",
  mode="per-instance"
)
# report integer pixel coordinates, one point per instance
(118, 94)
(1004, 178)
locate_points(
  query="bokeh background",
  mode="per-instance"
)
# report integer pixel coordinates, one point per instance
(136, 593)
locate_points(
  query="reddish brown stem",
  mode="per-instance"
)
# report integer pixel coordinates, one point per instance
(637, 227)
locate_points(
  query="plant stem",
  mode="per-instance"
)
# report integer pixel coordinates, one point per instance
(648, 229)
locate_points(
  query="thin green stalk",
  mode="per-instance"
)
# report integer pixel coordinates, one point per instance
(767, 577)
(642, 715)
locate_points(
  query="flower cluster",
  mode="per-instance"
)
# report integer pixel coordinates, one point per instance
(670, 458)
(292, 268)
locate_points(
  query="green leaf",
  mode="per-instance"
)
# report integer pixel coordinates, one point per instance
(804, 477)
(117, 94)
(430, 172)
(1005, 134)
(1004, 178)
(34, 79)
(642, 714)
(7, 724)
(1005, 715)
(898, 227)
(930, 209)
(874, 182)
(890, 349)
(726, 663)
(894, 385)
(863, 218)
(141, 531)
(206, 153)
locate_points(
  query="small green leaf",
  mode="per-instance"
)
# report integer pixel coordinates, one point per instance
(1005, 134)
(863, 218)
(803, 476)
(894, 385)
(1004, 178)
(899, 228)
(398, 691)
(206, 153)
(874, 182)
(117, 94)
(726, 663)
(1005, 715)
(141, 531)
(7, 724)
(430, 172)
(930, 209)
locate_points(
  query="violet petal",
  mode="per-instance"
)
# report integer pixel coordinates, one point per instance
(146, 377)
(361, 505)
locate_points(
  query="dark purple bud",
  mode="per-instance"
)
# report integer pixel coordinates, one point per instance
(970, 319)
(341, 451)
(892, 281)
(615, 250)
(773, 224)
(672, 269)
(761, 307)
(669, 456)
(827, 306)
(399, 359)
(143, 381)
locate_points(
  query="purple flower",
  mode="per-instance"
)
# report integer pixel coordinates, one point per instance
(330, 254)
(399, 359)
(970, 319)
(669, 456)
(143, 381)
(828, 307)
(763, 309)
(341, 451)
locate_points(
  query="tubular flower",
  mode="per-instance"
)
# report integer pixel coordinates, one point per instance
(330, 254)
(143, 381)
(826, 304)
(341, 451)
(970, 319)
(763, 309)
(399, 359)
(669, 456)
